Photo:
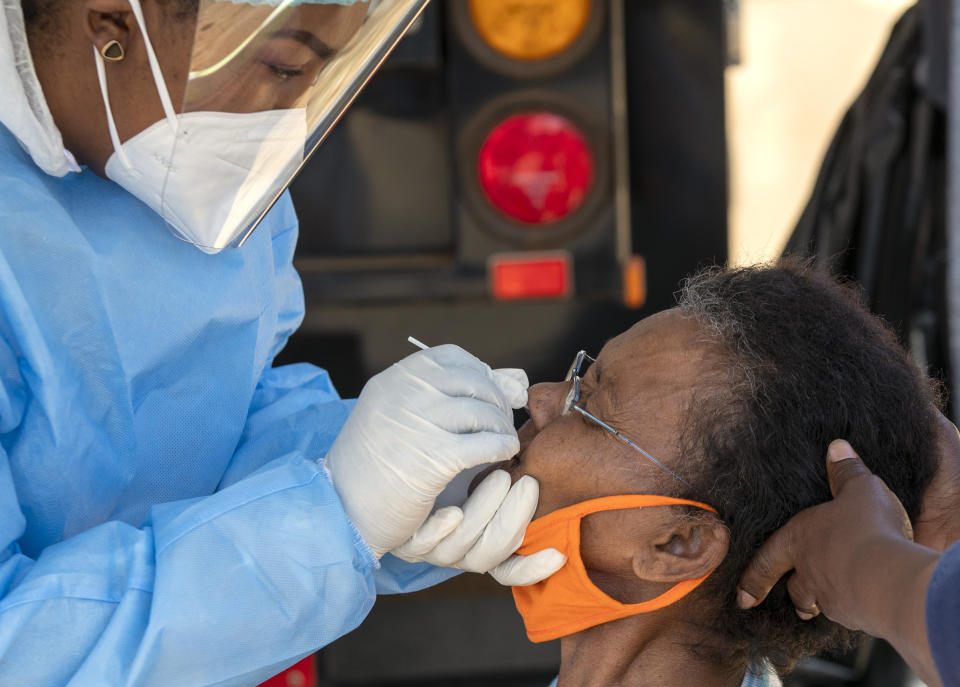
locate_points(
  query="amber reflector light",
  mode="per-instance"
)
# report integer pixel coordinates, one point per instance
(530, 29)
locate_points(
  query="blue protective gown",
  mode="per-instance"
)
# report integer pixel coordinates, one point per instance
(163, 516)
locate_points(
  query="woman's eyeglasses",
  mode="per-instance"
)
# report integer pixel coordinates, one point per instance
(573, 398)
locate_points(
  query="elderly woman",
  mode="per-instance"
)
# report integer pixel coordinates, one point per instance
(666, 462)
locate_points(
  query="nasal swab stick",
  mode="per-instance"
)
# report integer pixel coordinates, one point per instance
(418, 344)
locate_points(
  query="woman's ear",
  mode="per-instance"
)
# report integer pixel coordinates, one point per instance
(108, 20)
(684, 549)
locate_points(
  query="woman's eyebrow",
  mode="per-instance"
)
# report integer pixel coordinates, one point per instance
(321, 48)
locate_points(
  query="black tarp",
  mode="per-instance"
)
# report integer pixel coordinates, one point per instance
(877, 211)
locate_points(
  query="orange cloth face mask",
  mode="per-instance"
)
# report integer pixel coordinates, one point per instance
(568, 602)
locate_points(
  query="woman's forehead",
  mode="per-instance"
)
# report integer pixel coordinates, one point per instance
(664, 333)
(653, 368)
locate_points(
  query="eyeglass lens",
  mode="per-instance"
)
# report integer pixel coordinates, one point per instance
(581, 363)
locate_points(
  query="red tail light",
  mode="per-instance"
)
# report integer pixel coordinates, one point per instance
(536, 167)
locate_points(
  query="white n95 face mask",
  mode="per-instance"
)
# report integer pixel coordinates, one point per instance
(225, 162)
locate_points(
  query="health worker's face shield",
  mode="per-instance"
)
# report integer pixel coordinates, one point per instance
(268, 79)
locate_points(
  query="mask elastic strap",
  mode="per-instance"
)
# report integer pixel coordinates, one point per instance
(112, 125)
(672, 595)
(155, 67)
(158, 81)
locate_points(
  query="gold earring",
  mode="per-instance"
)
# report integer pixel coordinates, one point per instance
(112, 51)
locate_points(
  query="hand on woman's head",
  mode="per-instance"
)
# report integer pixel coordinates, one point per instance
(823, 544)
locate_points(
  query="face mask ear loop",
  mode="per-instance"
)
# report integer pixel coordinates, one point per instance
(155, 67)
(114, 137)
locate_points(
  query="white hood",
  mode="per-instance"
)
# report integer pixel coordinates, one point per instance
(23, 109)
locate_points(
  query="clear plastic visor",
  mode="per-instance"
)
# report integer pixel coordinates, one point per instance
(267, 81)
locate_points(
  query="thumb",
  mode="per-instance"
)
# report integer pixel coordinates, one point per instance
(521, 571)
(843, 465)
(513, 384)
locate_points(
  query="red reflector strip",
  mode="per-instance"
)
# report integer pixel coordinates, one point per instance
(515, 276)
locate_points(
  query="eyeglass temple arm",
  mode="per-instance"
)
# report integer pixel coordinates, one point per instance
(630, 443)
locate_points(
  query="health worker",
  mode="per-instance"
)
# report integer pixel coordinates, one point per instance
(175, 510)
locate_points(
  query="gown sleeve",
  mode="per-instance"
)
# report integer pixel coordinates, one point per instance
(297, 408)
(943, 616)
(226, 589)
(223, 589)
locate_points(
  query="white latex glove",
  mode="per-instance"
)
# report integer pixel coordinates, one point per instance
(416, 426)
(481, 536)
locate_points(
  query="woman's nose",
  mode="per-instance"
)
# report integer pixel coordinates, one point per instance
(545, 402)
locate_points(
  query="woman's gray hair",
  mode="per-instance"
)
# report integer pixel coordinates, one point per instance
(704, 298)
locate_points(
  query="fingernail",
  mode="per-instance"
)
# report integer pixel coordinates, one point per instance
(745, 599)
(801, 614)
(840, 450)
